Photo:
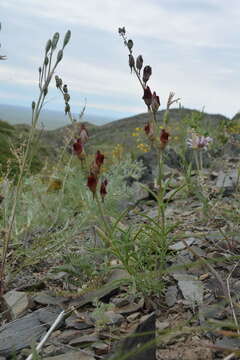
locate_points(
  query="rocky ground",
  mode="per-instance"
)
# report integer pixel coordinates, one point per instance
(197, 316)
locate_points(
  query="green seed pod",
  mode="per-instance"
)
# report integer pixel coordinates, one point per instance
(48, 46)
(55, 40)
(59, 56)
(66, 38)
(46, 61)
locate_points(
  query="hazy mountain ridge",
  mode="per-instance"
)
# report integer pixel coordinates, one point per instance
(51, 119)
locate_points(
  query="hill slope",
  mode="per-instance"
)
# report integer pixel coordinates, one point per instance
(103, 137)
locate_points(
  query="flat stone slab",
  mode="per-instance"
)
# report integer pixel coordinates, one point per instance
(17, 302)
(25, 331)
(227, 180)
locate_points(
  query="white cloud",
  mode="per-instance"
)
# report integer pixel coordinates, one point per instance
(192, 46)
(142, 17)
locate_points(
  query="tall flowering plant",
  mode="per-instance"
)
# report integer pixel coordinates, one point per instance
(157, 137)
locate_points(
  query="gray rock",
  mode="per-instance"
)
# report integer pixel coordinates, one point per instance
(74, 322)
(120, 301)
(25, 331)
(20, 334)
(191, 288)
(133, 316)
(137, 345)
(104, 292)
(180, 245)
(17, 302)
(72, 355)
(84, 340)
(131, 308)
(227, 181)
(171, 295)
(100, 348)
(46, 299)
(110, 318)
(229, 342)
(139, 192)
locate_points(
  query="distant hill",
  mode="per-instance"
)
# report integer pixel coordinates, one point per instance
(102, 137)
(120, 131)
(49, 118)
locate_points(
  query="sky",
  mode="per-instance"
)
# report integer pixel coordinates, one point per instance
(192, 46)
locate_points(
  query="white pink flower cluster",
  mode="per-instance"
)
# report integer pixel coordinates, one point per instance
(199, 141)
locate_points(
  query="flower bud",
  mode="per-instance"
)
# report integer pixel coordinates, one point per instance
(147, 72)
(66, 38)
(48, 46)
(99, 158)
(78, 149)
(33, 106)
(66, 97)
(65, 89)
(40, 70)
(59, 56)
(131, 62)
(139, 63)
(130, 44)
(155, 102)
(58, 81)
(164, 138)
(46, 61)
(122, 31)
(92, 183)
(147, 96)
(148, 128)
(55, 40)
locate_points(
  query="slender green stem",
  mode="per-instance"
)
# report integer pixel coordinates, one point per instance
(101, 211)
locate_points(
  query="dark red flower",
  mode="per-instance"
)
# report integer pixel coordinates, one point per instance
(99, 158)
(92, 183)
(147, 128)
(103, 189)
(78, 147)
(147, 96)
(164, 138)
